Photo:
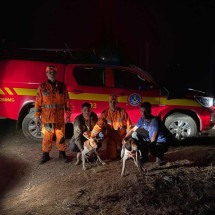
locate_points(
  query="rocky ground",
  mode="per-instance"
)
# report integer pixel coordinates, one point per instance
(185, 185)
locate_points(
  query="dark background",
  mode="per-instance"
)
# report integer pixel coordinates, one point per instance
(171, 39)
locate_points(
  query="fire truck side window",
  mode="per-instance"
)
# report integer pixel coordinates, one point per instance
(90, 76)
(125, 79)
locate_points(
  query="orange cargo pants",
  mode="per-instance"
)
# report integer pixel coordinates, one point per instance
(48, 131)
(113, 142)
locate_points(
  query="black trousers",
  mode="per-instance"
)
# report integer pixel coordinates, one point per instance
(155, 149)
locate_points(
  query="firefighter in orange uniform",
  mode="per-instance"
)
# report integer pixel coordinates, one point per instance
(51, 103)
(117, 123)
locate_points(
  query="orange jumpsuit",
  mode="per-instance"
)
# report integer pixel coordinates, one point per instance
(117, 123)
(51, 102)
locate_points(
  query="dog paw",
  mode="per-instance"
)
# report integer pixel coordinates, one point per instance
(84, 168)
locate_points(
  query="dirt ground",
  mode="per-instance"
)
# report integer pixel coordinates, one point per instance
(185, 185)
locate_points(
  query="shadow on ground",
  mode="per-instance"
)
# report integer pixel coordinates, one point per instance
(188, 149)
(12, 169)
(11, 173)
(8, 128)
(201, 140)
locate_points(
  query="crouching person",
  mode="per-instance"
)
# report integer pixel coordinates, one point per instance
(83, 124)
(52, 101)
(149, 135)
(116, 122)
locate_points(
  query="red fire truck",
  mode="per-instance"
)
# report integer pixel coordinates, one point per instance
(91, 80)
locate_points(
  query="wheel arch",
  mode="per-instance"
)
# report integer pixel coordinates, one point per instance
(190, 113)
(26, 108)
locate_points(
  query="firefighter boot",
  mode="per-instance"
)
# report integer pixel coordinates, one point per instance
(45, 158)
(62, 155)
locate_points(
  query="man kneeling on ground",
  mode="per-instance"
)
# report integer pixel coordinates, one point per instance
(150, 137)
(83, 124)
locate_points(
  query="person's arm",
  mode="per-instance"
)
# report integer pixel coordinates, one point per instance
(93, 120)
(154, 136)
(154, 127)
(38, 105)
(128, 122)
(67, 106)
(98, 126)
(129, 133)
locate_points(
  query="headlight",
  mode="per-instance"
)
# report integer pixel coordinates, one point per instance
(205, 101)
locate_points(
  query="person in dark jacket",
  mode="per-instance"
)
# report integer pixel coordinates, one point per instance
(84, 124)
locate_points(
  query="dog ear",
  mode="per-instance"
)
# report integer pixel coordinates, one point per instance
(133, 144)
(135, 141)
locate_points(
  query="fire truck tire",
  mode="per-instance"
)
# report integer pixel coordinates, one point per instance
(33, 133)
(181, 126)
(30, 130)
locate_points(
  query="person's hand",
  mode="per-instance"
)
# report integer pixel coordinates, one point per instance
(38, 124)
(67, 119)
(37, 121)
(124, 140)
(131, 154)
(86, 134)
(92, 142)
(151, 143)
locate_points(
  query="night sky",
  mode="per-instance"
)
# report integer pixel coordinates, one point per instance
(174, 40)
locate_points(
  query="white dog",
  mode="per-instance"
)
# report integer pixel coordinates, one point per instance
(130, 150)
(90, 146)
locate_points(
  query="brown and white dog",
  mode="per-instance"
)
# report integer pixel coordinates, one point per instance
(130, 150)
(90, 146)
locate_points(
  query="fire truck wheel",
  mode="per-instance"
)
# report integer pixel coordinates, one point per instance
(29, 128)
(181, 126)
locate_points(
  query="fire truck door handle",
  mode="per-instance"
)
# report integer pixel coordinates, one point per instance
(77, 91)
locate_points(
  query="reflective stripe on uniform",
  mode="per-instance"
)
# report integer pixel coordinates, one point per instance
(53, 106)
